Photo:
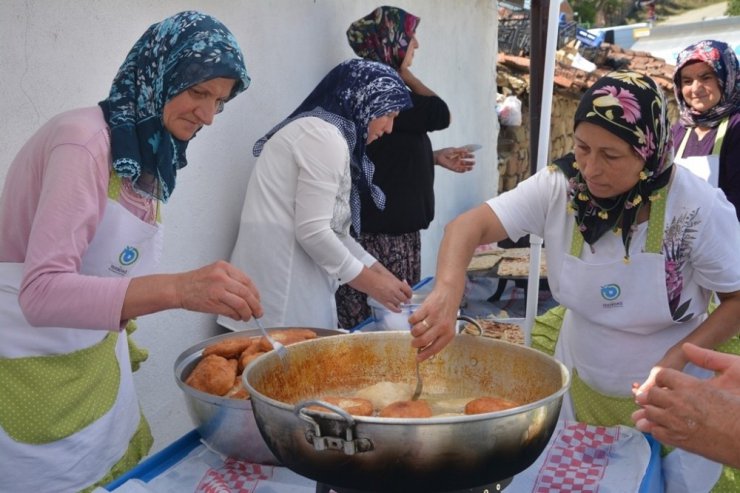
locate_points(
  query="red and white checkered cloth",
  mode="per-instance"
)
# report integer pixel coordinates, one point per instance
(234, 477)
(582, 458)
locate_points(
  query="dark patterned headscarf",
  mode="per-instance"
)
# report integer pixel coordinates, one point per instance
(383, 35)
(349, 96)
(632, 107)
(181, 51)
(720, 57)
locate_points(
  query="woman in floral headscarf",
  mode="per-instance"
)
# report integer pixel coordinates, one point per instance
(304, 193)
(81, 239)
(404, 159)
(707, 135)
(635, 248)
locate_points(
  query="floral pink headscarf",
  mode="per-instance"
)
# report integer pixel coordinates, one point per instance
(383, 35)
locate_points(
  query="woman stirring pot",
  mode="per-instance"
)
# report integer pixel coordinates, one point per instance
(635, 248)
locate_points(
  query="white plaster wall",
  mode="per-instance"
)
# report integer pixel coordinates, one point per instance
(62, 54)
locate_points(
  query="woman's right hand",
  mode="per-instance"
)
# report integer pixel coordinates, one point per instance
(219, 288)
(433, 323)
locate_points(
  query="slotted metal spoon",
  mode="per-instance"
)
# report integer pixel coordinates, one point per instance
(277, 346)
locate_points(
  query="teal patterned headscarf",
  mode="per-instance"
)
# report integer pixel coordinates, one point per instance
(383, 35)
(181, 51)
(632, 107)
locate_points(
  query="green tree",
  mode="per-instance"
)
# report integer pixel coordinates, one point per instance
(733, 7)
(592, 12)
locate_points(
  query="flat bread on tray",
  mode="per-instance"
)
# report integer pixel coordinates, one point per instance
(484, 261)
(503, 331)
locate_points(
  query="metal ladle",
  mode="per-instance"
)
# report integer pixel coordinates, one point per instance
(419, 383)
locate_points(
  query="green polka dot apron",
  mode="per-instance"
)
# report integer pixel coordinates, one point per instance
(618, 326)
(706, 167)
(69, 415)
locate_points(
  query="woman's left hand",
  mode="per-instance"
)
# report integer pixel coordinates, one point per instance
(456, 159)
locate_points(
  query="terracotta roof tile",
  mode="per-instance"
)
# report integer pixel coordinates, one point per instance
(613, 56)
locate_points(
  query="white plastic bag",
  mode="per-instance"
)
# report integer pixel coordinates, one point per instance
(509, 111)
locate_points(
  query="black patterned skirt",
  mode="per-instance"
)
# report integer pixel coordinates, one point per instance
(400, 254)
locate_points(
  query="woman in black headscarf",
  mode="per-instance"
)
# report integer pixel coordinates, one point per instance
(404, 160)
(635, 248)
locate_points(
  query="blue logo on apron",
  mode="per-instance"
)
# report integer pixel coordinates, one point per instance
(610, 292)
(128, 256)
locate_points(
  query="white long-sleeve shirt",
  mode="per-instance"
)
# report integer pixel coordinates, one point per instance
(294, 237)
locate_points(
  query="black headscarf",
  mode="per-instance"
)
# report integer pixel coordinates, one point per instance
(632, 107)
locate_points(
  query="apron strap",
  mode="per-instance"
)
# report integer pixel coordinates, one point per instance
(718, 139)
(114, 192)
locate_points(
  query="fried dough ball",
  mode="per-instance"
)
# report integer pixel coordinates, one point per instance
(353, 405)
(247, 357)
(238, 391)
(384, 393)
(488, 405)
(213, 374)
(407, 409)
(229, 348)
(287, 337)
(249, 354)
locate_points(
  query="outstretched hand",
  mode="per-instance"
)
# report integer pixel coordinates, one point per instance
(457, 159)
(698, 415)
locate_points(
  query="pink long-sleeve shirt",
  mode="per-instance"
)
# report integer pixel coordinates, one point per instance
(54, 196)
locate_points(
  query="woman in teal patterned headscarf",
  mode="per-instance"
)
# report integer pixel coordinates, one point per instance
(79, 262)
(171, 56)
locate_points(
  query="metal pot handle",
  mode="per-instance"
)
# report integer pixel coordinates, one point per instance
(349, 445)
(471, 320)
(300, 411)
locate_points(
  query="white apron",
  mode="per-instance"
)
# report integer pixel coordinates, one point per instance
(617, 305)
(123, 245)
(706, 167)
